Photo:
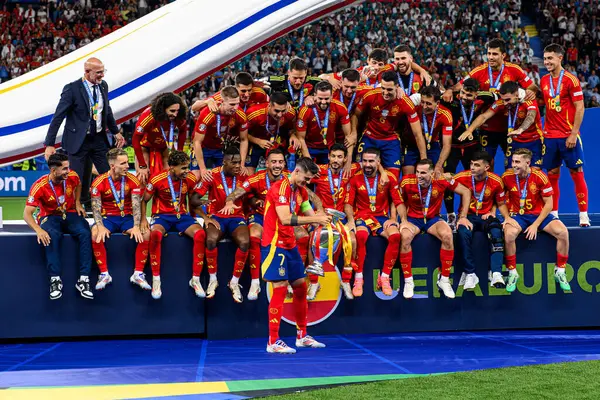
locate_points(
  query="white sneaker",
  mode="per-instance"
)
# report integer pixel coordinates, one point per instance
(254, 291)
(445, 286)
(156, 292)
(280, 347)
(347, 290)
(409, 289)
(236, 293)
(554, 214)
(463, 279)
(197, 286)
(211, 289)
(313, 289)
(584, 219)
(139, 278)
(471, 281)
(498, 281)
(103, 280)
(309, 341)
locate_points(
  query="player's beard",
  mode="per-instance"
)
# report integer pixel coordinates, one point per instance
(368, 171)
(335, 166)
(423, 182)
(402, 68)
(323, 106)
(276, 172)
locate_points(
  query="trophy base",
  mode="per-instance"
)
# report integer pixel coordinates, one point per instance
(316, 268)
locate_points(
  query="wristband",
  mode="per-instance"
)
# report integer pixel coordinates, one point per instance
(142, 166)
(294, 220)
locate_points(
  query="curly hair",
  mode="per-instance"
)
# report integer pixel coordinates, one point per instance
(165, 100)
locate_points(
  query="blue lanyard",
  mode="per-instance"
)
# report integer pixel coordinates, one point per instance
(268, 181)
(175, 197)
(481, 194)
(227, 189)
(60, 200)
(332, 188)
(495, 84)
(293, 200)
(523, 193)
(512, 119)
(119, 200)
(426, 128)
(372, 191)
(466, 120)
(427, 200)
(93, 105)
(351, 101)
(271, 137)
(374, 85)
(171, 130)
(301, 96)
(556, 94)
(219, 126)
(322, 128)
(410, 83)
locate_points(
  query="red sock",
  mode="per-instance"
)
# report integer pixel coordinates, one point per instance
(275, 311)
(511, 261)
(211, 260)
(313, 278)
(141, 255)
(406, 263)
(581, 190)
(391, 253)
(361, 248)
(100, 254)
(156, 238)
(300, 309)
(561, 260)
(555, 188)
(303, 248)
(446, 258)
(240, 261)
(198, 252)
(254, 257)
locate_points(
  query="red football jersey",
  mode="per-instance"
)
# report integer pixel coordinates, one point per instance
(162, 201)
(257, 186)
(101, 188)
(534, 132)
(537, 186)
(443, 126)
(510, 72)
(42, 196)
(410, 194)
(257, 123)
(383, 116)
(218, 190)
(558, 124)
(493, 193)
(332, 189)
(230, 126)
(257, 96)
(150, 135)
(281, 194)
(350, 103)
(315, 130)
(357, 195)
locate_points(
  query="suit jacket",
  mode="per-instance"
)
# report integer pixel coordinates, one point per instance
(74, 105)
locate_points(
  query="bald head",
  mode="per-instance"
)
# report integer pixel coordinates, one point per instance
(94, 70)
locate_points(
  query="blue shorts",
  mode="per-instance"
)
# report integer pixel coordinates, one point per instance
(256, 218)
(281, 264)
(491, 140)
(390, 150)
(228, 225)
(172, 224)
(212, 159)
(422, 225)
(412, 155)
(254, 156)
(526, 220)
(117, 224)
(320, 156)
(535, 147)
(555, 152)
(374, 224)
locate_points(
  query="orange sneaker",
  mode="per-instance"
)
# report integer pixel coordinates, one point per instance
(383, 282)
(357, 290)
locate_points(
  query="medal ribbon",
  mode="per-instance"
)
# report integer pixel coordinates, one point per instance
(481, 194)
(467, 121)
(301, 94)
(332, 188)
(425, 204)
(410, 83)
(522, 191)
(496, 84)
(169, 142)
(58, 201)
(556, 94)
(512, 119)
(119, 200)
(322, 128)
(293, 200)
(175, 197)
(428, 131)
(93, 105)
(271, 137)
(351, 101)
(372, 191)
(227, 190)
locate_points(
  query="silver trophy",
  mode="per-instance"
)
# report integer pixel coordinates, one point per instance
(322, 239)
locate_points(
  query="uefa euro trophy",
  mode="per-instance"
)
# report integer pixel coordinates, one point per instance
(325, 242)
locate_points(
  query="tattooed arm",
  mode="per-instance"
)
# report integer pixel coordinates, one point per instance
(528, 121)
(97, 210)
(136, 204)
(236, 194)
(315, 200)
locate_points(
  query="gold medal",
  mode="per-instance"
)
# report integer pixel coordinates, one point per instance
(64, 215)
(372, 207)
(325, 141)
(178, 216)
(492, 90)
(510, 130)
(122, 213)
(479, 205)
(95, 117)
(428, 146)
(558, 109)
(521, 211)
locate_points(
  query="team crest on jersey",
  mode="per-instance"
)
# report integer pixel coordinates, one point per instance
(395, 110)
(533, 188)
(521, 114)
(69, 190)
(488, 191)
(434, 192)
(332, 116)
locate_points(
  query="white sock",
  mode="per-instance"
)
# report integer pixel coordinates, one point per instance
(156, 278)
(234, 279)
(359, 275)
(384, 275)
(406, 280)
(54, 278)
(196, 278)
(213, 277)
(444, 279)
(512, 272)
(583, 214)
(255, 282)
(84, 278)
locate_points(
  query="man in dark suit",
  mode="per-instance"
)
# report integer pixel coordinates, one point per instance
(84, 103)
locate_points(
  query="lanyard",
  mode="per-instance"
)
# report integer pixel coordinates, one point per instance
(427, 200)
(322, 128)
(293, 200)
(481, 194)
(374, 85)
(351, 101)
(60, 200)
(93, 104)
(372, 191)
(301, 95)
(427, 129)
(512, 119)
(466, 120)
(332, 188)
(556, 94)
(268, 181)
(119, 200)
(219, 127)
(271, 137)
(169, 142)
(410, 83)
(494, 85)
(227, 189)
(523, 193)
(175, 197)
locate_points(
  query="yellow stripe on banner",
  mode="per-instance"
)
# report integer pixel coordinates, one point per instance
(115, 391)
(18, 85)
